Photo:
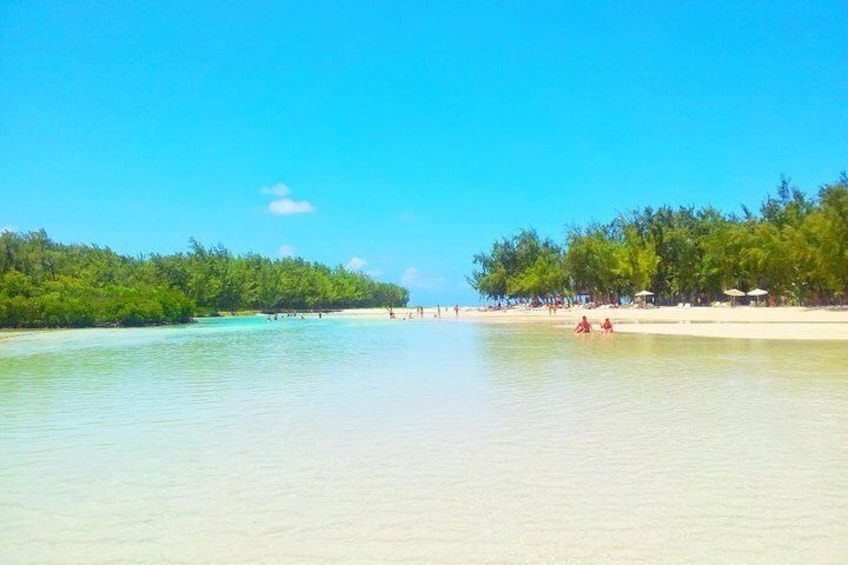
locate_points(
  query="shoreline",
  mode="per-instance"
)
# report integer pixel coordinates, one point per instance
(9, 334)
(741, 322)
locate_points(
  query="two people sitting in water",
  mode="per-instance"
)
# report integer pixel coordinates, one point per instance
(584, 327)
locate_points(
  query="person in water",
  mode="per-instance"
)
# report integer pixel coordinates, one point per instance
(583, 326)
(607, 326)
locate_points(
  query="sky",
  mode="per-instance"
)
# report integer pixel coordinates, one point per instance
(401, 138)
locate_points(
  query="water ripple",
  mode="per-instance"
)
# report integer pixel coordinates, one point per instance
(347, 441)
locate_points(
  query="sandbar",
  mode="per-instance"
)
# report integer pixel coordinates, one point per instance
(740, 322)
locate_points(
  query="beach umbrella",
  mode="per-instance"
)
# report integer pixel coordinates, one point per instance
(644, 294)
(733, 293)
(757, 293)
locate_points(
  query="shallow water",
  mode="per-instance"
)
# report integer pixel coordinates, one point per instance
(244, 441)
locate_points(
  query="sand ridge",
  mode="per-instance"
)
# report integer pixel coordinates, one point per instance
(740, 322)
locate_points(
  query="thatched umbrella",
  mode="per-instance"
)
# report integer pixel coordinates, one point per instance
(733, 293)
(757, 293)
(644, 294)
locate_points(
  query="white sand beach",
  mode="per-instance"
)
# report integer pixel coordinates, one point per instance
(742, 322)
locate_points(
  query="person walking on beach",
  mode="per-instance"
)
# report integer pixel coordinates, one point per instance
(583, 327)
(456, 311)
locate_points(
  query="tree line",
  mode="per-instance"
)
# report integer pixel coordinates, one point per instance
(44, 283)
(796, 247)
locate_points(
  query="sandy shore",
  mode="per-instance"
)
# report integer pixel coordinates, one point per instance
(741, 322)
(744, 322)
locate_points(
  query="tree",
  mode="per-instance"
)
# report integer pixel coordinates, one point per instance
(797, 247)
(47, 284)
(524, 267)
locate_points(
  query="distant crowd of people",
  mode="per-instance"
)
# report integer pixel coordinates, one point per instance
(419, 311)
(276, 315)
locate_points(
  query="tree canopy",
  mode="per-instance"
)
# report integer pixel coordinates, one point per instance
(796, 247)
(48, 284)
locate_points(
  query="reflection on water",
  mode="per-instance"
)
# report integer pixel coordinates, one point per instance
(418, 441)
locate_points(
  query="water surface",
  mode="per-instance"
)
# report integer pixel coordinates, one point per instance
(247, 441)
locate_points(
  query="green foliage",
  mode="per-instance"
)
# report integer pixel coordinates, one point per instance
(48, 284)
(797, 248)
(523, 267)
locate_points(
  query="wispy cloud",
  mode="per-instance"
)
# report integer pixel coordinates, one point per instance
(289, 207)
(413, 278)
(285, 206)
(356, 263)
(279, 189)
(285, 251)
(9, 229)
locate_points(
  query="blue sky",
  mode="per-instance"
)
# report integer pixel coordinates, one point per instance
(403, 137)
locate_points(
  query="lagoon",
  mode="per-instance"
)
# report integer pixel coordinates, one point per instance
(355, 441)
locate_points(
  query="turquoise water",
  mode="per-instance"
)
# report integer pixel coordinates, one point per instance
(422, 441)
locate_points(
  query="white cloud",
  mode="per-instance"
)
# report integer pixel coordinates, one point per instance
(278, 189)
(285, 251)
(9, 229)
(289, 207)
(415, 279)
(356, 264)
(285, 206)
